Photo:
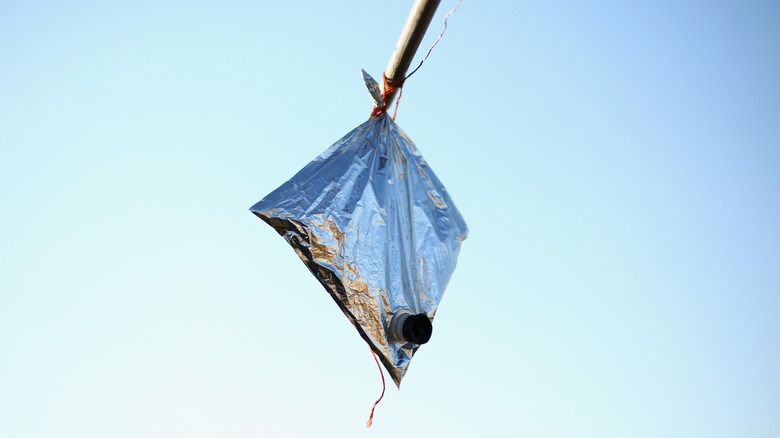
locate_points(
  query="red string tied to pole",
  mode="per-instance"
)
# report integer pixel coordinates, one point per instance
(387, 90)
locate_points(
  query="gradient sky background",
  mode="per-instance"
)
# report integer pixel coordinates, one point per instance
(617, 163)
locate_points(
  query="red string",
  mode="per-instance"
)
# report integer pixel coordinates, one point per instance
(371, 417)
(387, 90)
(400, 93)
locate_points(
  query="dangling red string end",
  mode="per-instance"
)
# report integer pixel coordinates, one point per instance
(371, 417)
(397, 101)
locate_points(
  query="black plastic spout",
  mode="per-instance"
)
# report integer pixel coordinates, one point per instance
(417, 329)
(406, 327)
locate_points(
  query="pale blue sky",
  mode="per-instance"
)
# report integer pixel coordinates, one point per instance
(617, 164)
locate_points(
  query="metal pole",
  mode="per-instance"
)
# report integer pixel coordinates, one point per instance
(411, 36)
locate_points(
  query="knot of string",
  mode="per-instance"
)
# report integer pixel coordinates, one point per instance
(388, 89)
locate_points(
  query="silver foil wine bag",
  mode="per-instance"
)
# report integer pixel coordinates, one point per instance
(377, 228)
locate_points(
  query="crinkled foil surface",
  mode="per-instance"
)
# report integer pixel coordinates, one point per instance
(377, 228)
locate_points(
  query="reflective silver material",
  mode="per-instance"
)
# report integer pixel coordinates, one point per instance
(373, 89)
(376, 227)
